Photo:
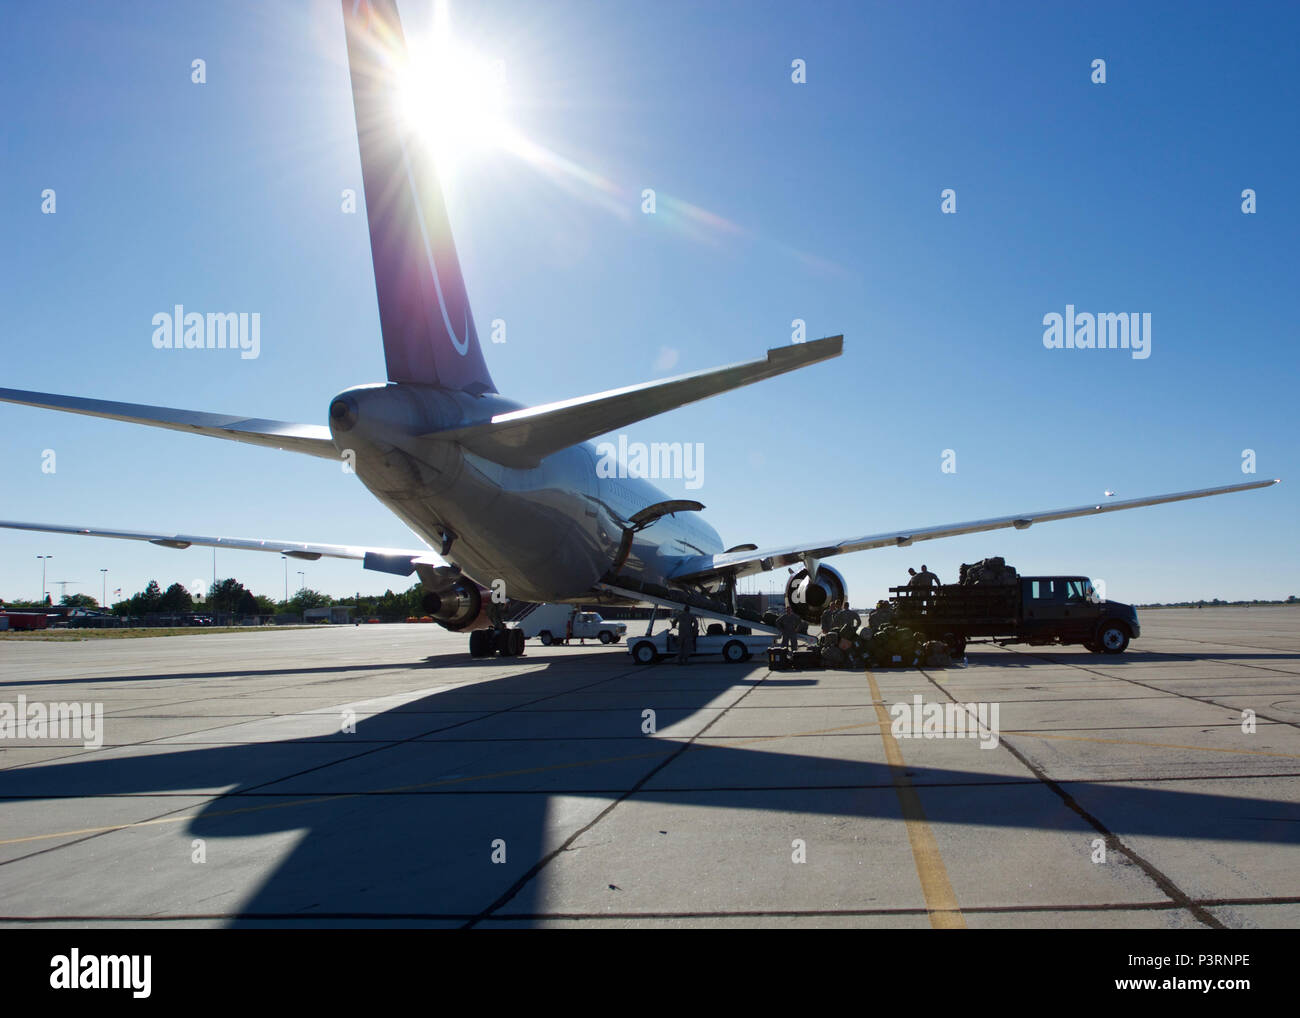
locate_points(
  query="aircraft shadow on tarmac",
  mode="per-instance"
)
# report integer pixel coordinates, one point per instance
(399, 818)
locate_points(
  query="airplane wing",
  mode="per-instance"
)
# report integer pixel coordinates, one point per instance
(399, 561)
(760, 560)
(523, 438)
(312, 439)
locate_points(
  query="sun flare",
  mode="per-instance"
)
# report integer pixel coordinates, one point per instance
(454, 98)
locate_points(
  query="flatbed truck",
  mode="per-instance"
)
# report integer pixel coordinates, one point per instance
(1037, 610)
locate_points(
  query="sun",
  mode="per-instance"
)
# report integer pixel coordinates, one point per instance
(453, 97)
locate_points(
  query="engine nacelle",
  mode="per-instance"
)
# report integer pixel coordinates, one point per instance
(806, 597)
(458, 606)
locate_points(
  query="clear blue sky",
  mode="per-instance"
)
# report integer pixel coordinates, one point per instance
(1116, 197)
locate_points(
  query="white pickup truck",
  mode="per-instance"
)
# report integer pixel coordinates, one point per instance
(734, 647)
(559, 623)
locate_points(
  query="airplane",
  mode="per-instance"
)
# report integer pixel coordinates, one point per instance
(508, 496)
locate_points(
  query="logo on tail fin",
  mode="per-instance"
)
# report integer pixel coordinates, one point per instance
(461, 345)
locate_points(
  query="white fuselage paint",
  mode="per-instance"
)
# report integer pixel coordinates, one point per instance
(550, 533)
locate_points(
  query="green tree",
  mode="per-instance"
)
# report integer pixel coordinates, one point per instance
(176, 599)
(78, 601)
(305, 599)
(227, 596)
(150, 599)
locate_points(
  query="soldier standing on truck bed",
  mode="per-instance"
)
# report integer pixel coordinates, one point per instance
(925, 578)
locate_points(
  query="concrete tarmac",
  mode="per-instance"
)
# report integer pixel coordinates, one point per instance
(377, 776)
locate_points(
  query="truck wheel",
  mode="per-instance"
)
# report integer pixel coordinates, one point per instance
(734, 652)
(644, 653)
(956, 644)
(1093, 646)
(1113, 638)
(606, 637)
(546, 637)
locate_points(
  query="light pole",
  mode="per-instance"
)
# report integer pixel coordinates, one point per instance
(301, 581)
(285, 560)
(103, 601)
(43, 557)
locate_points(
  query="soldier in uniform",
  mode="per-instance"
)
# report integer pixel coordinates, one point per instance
(788, 623)
(925, 578)
(687, 627)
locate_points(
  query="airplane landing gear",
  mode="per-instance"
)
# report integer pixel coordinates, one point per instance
(506, 642)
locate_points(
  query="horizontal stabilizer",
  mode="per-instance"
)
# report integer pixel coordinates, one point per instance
(523, 438)
(311, 439)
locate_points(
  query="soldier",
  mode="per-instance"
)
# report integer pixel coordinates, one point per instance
(788, 623)
(914, 579)
(686, 630)
(925, 578)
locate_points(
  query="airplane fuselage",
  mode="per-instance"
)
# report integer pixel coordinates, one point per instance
(550, 533)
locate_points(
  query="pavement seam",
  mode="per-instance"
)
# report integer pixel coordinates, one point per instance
(542, 863)
(1113, 841)
(1165, 692)
(1135, 906)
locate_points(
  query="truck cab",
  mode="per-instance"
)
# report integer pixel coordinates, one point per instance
(1067, 609)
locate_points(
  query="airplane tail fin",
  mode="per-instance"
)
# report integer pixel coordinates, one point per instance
(428, 330)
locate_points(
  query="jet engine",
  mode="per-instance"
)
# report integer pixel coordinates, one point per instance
(455, 602)
(807, 597)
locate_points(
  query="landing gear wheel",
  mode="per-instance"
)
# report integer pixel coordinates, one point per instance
(546, 638)
(606, 637)
(508, 642)
(480, 643)
(1113, 639)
